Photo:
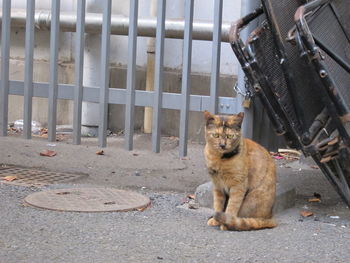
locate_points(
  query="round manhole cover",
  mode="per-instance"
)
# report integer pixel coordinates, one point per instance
(88, 200)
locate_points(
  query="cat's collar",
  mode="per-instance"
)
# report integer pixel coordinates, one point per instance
(229, 155)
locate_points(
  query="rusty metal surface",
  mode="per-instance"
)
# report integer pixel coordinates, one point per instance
(88, 200)
(32, 177)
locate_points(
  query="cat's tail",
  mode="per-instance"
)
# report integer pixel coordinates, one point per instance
(244, 223)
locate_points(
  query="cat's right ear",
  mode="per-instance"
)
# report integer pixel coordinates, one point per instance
(208, 117)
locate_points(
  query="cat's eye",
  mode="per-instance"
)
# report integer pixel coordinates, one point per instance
(215, 135)
(230, 136)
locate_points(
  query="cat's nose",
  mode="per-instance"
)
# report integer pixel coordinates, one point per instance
(222, 146)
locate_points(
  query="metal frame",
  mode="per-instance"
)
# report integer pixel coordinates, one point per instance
(325, 138)
(246, 57)
(336, 104)
(332, 152)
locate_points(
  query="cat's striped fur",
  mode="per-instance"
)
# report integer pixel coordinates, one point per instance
(243, 175)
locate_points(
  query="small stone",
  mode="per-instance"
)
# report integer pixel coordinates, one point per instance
(193, 205)
(137, 173)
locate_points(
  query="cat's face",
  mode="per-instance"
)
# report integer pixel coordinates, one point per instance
(223, 132)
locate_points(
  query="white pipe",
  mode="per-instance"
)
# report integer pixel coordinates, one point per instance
(202, 30)
(92, 60)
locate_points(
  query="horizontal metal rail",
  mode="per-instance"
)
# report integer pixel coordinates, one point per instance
(174, 28)
(118, 96)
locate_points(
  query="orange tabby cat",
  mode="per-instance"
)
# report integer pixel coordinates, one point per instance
(243, 176)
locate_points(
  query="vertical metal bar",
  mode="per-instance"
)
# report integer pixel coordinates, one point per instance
(104, 88)
(216, 51)
(53, 83)
(5, 63)
(131, 76)
(28, 70)
(79, 66)
(158, 75)
(186, 77)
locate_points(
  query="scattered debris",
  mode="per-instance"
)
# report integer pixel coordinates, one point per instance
(276, 156)
(334, 217)
(43, 131)
(193, 205)
(19, 124)
(48, 153)
(306, 213)
(286, 154)
(63, 193)
(314, 200)
(13, 130)
(109, 203)
(317, 195)
(191, 196)
(290, 151)
(101, 152)
(51, 145)
(10, 178)
(145, 207)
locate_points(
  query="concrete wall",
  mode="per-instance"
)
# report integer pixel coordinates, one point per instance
(201, 61)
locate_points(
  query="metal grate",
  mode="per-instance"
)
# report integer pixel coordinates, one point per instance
(31, 177)
(88, 200)
(334, 38)
(301, 76)
(269, 64)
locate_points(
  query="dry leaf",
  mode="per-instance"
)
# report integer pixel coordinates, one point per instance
(306, 213)
(10, 178)
(48, 153)
(314, 167)
(314, 200)
(191, 196)
(100, 152)
(135, 154)
(109, 203)
(43, 131)
(144, 208)
(62, 193)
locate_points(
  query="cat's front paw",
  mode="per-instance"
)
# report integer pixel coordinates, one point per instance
(212, 222)
(223, 228)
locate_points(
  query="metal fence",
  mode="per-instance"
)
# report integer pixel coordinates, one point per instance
(104, 94)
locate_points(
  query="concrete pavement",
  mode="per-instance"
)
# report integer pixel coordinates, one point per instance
(164, 232)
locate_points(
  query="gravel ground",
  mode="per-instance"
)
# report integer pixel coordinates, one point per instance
(163, 233)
